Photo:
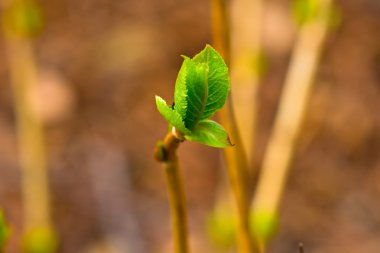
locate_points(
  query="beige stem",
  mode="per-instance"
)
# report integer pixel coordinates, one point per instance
(293, 104)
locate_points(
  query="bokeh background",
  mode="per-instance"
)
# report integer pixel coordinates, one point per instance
(100, 64)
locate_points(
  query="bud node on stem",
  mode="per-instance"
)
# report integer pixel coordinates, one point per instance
(178, 134)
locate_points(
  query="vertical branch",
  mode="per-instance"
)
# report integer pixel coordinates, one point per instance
(246, 66)
(31, 146)
(288, 121)
(235, 157)
(30, 136)
(30, 133)
(220, 28)
(166, 153)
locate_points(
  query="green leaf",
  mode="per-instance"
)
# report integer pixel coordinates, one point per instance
(201, 89)
(180, 92)
(171, 115)
(210, 133)
(218, 80)
(197, 92)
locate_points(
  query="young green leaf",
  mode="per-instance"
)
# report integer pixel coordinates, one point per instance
(210, 133)
(197, 92)
(180, 92)
(202, 86)
(171, 115)
(218, 81)
(201, 89)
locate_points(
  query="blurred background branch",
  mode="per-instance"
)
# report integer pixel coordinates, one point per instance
(21, 20)
(286, 129)
(235, 158)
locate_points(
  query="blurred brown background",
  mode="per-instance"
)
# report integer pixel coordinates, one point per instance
(101, 62)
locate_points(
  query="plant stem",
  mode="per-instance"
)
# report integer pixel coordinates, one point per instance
(220, 28)
(30, 133)
(293, 104)
(246, 67)
(238, 177)
(235, 157)
(166, 153)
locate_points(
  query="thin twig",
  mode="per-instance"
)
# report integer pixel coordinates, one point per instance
(166, 153)
(236, 160)
(292, 108)
(246, 20)
(31, 146)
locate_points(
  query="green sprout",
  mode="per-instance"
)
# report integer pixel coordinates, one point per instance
(39, 240)
(201, 90)
(221, 227)
(263, 224)
(306, 11)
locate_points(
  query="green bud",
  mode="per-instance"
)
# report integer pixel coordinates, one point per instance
(263, 224)
(221, 227)
(40, 240)
(22, 18)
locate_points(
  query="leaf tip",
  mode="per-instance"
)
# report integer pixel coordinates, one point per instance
(209, 46)
(185, 57)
